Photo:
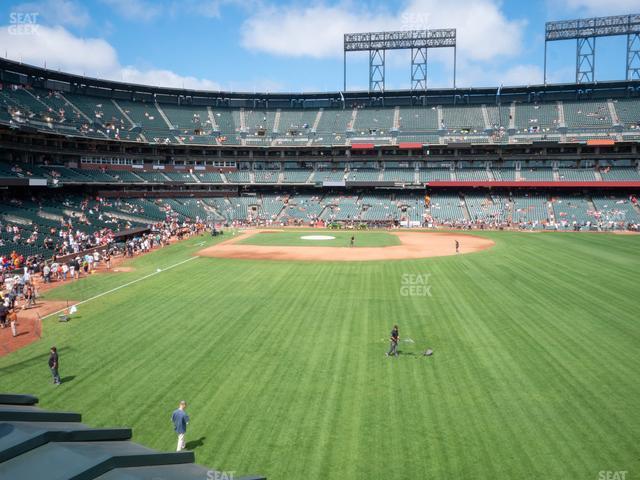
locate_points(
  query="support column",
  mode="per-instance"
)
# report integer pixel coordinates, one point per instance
(585, 60)
(633, 56)
(376, 71)
(418, 70)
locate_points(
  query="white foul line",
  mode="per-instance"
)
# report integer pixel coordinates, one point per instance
(122, 286)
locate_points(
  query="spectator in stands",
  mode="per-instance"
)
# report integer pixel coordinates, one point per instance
(12, 318)
(4, 311)
(29, 296)
(46, 273)
(180, 421)
(76, 268)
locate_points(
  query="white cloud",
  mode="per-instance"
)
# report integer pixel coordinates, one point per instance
(523, 75)
(57, 12)
(137, 10)
(93, 57)
(59, 48)
(476, 75)
(486, 37)
(317, 31)
(165, 78)
(313, 31)
(598, 7)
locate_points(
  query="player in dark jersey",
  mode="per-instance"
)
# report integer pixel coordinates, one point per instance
(393, 342)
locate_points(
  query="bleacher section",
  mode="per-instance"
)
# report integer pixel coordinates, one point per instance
(471, 175)
(209, 177)
(398, 175)
(615, 211)
(296, 176)
(530, 209)
(576, 175)
(329, 176)
(571, 211)
(363, 172)
(537, 174)
(446, 207)
(463, 117)
(46, 217)
(152, 177)
(340, 209)
(377, 119)
(534, 118)
(238, 177)
(125, 119)
(620, 174)
(302, 208)
(363, 175)
(487, 208)
(587, 115)
(267, 176)
(435, 174)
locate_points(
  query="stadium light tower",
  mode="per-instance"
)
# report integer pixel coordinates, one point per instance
(585, 31)
(418, 41)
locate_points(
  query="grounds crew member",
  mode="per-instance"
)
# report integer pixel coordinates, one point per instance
(395, 338)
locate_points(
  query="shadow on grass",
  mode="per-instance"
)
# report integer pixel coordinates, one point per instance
(36, 359)
(193, 444)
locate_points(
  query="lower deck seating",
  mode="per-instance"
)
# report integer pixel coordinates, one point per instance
(530, 209)
(616, 210)
(571, 211)
(446, 207)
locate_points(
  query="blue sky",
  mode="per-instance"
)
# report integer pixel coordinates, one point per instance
(266, 45)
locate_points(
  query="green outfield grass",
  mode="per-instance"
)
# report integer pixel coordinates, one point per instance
(536, 370)
(342, 239)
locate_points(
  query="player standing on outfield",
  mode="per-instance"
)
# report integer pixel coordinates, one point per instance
(53, 365)
(457, 246)
(180, 420)
(395, 338)
(353, 241)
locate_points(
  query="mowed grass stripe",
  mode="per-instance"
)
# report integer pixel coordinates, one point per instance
(587, 356)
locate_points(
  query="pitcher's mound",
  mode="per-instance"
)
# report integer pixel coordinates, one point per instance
(413, 245)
